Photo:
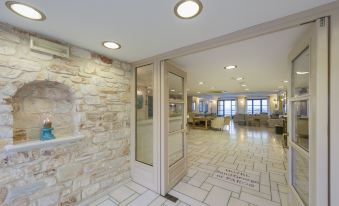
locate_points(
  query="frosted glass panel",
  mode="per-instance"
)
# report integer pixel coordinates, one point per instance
(144, 114)
(175, 147)
(300, 176)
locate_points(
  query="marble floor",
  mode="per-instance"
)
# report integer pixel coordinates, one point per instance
(243, 166)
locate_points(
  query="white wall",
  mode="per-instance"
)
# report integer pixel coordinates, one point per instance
(334, 110)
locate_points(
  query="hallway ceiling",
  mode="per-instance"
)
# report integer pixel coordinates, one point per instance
(262, 61)
(147, 28)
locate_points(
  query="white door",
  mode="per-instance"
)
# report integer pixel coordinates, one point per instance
(308, 118)
(173, 126)
(145, 142)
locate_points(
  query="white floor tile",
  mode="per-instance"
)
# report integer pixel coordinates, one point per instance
(223, 184)
(217, 197)
(136, 187)
(257, 200)
(186, 199)
(191, 191)
(121, 193)
(236, 202)
(144, 199)
(198, 179)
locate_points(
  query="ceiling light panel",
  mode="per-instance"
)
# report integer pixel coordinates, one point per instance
(25, 10)
(188, 9)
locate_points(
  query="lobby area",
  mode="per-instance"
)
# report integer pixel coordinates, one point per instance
(242, 166)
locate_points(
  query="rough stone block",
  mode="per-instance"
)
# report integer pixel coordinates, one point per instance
(81, 53)
(26, 189)
(6, 132)
(5, 108)
(93, 100)
(68, 171)
(7, 48)
(6, 72)
(101, 137)
(6, 119)
(51, 199)
(91, 190)
(24, 65)
(9, 36)
(64, 69)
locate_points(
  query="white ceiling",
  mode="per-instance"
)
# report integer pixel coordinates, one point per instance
(148, 27)
(262, 61)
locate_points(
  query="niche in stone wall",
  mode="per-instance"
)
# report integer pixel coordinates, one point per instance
(38, 100)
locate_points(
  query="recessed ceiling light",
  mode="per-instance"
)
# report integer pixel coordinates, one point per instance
(188, 9)
(281, 87)
(198, 92)
(25, 10)
(285, 81)
(111, 45)
(230, 67)
(244, 85)
(201, 83)
(172, 90)
(247, 89)
(302, 73)
(239, 78)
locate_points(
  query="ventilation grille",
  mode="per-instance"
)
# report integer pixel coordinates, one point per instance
(48, 47)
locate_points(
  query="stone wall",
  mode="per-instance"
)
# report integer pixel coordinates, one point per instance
(68, 173)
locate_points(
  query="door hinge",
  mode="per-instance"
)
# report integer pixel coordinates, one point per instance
(323, 22)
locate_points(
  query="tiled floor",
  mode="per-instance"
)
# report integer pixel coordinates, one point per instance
(243, 166)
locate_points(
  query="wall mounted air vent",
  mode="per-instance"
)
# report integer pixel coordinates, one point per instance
(45, 46)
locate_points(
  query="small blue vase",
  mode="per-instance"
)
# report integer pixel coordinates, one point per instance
(46, 134)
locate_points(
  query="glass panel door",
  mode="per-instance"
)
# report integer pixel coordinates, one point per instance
(300, 125)
(174, 109)
(144, 114)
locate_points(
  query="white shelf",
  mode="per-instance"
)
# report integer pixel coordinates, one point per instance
(42, 144)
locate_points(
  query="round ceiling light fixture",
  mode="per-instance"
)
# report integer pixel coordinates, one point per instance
(111, 45)
(25, 10)
(188, 9)
(230, 67)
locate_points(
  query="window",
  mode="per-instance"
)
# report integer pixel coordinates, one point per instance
(201, 106)
(257, 106)
(220, 111)
(227, 108)
(193, 106)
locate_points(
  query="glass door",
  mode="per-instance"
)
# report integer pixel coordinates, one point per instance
(145, 124)
(173, 135)
(307, 118)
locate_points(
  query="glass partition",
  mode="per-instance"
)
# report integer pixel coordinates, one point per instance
(144, 114)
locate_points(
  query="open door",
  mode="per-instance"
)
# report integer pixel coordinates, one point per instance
(173, 126)
(308, 118)
(145, 167)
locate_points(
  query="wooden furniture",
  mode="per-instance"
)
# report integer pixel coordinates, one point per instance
(206, 121)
